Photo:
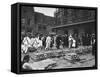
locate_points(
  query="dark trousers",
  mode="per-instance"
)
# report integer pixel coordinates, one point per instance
(93, 49)
(58, 44)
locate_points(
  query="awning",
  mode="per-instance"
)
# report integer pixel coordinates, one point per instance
(83, 22)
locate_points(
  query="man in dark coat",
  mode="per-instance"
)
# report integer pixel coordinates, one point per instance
(58, 41)
(93, 40)
(66, 40)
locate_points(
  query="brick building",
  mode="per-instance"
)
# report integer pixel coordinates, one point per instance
(43, 23)
(71, 21)
(27, 18)
(35, 22)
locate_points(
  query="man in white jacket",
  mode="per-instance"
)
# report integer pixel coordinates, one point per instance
(26, 43)
(48, 42)
(36, 42)
(70, 39)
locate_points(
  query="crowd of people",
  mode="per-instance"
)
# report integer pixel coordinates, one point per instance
(40, 41)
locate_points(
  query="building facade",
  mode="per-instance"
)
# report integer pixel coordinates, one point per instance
(43, 23)
(27, 19)
(71, 21)
(35, 22)
(68, 16)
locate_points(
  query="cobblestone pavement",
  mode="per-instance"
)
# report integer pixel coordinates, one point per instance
(86, 60)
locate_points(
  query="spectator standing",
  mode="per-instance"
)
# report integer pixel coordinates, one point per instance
(58, 41)
(70, 39)
(48, 42)
(26, 43)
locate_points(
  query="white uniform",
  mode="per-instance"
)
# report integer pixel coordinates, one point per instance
(37, 43)
(32, 41)
(48, 42)
(26, 44)
(74, 43)
(70, 41)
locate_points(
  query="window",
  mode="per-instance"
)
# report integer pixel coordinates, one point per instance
(39, 27)
(44, 27)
